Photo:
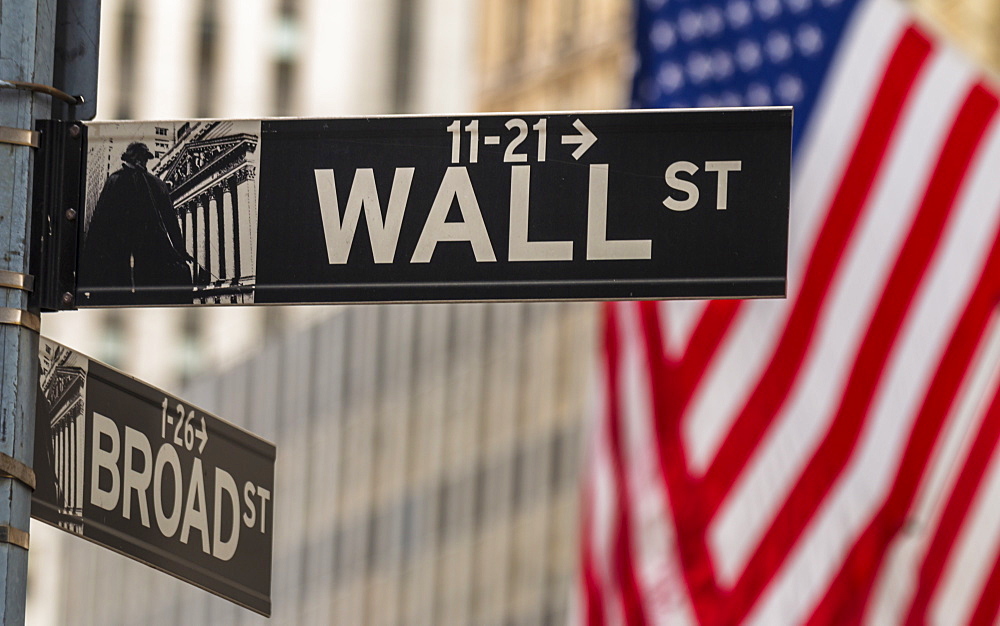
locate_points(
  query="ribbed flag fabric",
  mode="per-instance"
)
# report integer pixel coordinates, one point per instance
(831, 458)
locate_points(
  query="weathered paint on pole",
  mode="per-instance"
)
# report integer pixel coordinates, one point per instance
(26, 52)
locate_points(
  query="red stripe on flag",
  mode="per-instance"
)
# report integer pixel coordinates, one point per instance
(836, 449)
(847, 596)
(955, 511)
(695, 502)
(692, 550)
(704, 343)
(989, 599)
(778, 377)
(593, 601)
(632, 606)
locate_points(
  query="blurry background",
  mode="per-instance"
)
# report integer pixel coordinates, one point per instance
(427, 455)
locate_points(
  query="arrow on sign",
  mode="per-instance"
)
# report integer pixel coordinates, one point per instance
(202, 436)
(585, 139)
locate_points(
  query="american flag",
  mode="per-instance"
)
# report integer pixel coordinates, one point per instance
(830, 458)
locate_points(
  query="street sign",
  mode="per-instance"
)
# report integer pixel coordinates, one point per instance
(152, 477)
(519, 206)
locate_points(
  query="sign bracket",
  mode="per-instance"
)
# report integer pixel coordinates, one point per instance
(16, 280)
(57, 212)
(12, 468)
(14, 536)
(19, 136)
(20, 317)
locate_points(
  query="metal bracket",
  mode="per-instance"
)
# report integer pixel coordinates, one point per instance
(57, 213)
(15, 280)
(14, 536)
(12, 468)
(19, 136)
(37, 88)
(19, 317)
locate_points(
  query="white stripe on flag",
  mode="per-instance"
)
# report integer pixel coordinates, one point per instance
(926, 331)
(735, 370)
(973, 555)
(897, 580)
(678, 320)
(654, 550)
(599, 481)
(855, 292)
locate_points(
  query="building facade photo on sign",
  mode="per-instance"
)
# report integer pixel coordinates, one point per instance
(171, 212)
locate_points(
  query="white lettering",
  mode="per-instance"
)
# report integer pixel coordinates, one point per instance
(195, 511)
(167, 455)
(519, 248)
(364, 195)
(723, 168)
(265, 495)
(224, 483)
(598, 246)
(679, 184)
(250, 517)
(106, 460)
(133, 480)
(455, 185)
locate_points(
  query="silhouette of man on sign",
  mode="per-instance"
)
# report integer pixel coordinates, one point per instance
(134, 243)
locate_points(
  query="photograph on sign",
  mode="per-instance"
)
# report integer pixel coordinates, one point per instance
(519, 206)
(62, 398)
(171, 212)
(141, 472)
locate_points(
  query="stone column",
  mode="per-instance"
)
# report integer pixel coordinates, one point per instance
(81, 442)
(225, 254)
(234, 223)
(199, 238)
(71, 463)
(212, 235)
(247, 206)
(60, 470)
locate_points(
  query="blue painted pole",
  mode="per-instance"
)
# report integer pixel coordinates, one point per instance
(26, 51)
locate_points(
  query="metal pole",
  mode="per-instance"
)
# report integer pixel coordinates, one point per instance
(26, 51)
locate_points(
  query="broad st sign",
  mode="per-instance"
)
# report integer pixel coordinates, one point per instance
(148, 475)
(524, 206)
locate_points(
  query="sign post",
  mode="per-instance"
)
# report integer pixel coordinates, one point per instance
(25, 37)
(523, 206)
(146, 474)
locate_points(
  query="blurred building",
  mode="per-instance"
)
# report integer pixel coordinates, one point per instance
(548, 55)
(426, 473)
(427, 454)
(180, 59)
(972, 24)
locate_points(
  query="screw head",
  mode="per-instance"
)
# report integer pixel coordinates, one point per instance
(71, 214)
(67, 298)
(74, 131)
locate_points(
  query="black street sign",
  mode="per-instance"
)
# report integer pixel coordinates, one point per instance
(146, 474)
(519, 206)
